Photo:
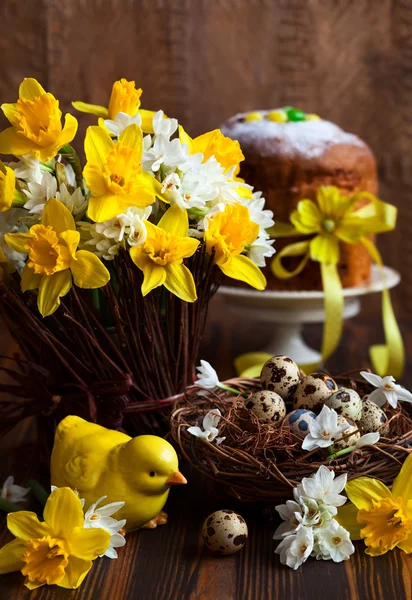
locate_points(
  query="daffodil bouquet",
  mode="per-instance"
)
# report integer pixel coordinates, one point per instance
(108, 267)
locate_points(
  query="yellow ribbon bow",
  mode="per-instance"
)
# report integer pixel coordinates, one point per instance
(332, 219)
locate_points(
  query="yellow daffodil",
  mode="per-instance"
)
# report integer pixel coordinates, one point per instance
(161, 256)
(379, 516)
(226, 151)
(53, 260)
(114, 175)
(36, 124)
(124, 98)
(57, 550)
(7, 187)
(228, 233)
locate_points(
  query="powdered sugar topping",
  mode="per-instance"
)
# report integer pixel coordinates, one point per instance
(303, 138)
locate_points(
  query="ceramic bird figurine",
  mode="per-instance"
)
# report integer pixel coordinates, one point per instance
(97, 462)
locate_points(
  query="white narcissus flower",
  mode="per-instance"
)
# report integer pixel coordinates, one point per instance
(96, 242)
(291, 513)
(129, 224)
(75, 202)
(333, 542)
(323, 486)
(164, 126)
(209, 430)
(121, 121)
(101, 518)
(206, 376)
(13, 492)
(164, 152)
(261, 249)
(294, 550)
(39, 193)
(369, 439)
(323, 430)
(12, 221)
(258, 215)
(387, 390)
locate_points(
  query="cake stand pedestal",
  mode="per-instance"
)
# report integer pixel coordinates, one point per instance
(288, 311)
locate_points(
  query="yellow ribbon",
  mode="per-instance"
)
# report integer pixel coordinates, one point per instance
(333, 219)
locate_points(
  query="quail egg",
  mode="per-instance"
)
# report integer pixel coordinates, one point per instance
(280, 374)
(346, 402)
(267, 406)
(373, 419)
(352, 432)
(299, 420)
(225, 532)
(313, 390)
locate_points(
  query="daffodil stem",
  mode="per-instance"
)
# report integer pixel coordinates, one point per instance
(38, 491)
(73, 159)
(222, 386)
(19, 199)
(7, 506)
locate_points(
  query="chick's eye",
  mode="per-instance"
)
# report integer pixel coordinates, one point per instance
(152, 473)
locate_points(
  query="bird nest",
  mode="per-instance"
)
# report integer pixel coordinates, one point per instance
(259, 462)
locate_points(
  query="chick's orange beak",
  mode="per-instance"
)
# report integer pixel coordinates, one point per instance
(176, 478)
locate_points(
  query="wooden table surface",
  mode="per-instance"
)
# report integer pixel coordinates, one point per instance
(171, 563)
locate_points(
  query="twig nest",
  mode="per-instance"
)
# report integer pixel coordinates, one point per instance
(351, 434)
(298, 421)
(373, 418)
(313, 391)
(225, 532)
(346, 402)
(280, 374)
(267, 406)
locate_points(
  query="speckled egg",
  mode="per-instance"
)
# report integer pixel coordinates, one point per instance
(299, 420)
(225, 532)
(313, 390)
(280, 374)
(373, 419)
(267, 406)
(346, 402)
(351, 439)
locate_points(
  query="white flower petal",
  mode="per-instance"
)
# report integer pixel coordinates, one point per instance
(369, 439)
(371, 378)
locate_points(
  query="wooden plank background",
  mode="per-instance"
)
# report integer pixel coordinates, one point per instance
(203, 60)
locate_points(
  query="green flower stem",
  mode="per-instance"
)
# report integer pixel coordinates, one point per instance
(342, 452)
(222, 386)
(46, 167)
(8, 507)
(19, 199)
(196, 211)
(162, 172)
(73, 159)
(38, 491)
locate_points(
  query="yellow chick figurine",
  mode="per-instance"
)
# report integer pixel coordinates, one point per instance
(97, 462)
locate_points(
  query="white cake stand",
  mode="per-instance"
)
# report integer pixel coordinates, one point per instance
(288, 311)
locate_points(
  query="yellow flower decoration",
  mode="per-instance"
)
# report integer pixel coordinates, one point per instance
(57, 550)
(124, 98)
(7, 187)
(114, 175)
(36, 124)
(226, 151)
(228, 233)
(161, 256)
(53, 260)
(379, 516)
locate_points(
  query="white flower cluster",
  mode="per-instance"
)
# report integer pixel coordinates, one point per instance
(101, 518)
(324, 431)
(309, 527)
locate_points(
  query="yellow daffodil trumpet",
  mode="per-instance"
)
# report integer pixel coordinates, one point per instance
(124, 98)
(53, 258)
(36, 124)
(332, 219)
(114, 175)
(228, 234)
(226, 151)
(161, 256)
(378, 515)
(58, 550)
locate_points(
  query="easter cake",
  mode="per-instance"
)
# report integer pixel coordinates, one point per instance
(288, 156)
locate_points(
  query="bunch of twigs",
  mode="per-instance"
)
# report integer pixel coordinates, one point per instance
(260, 462)
(113, 357)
